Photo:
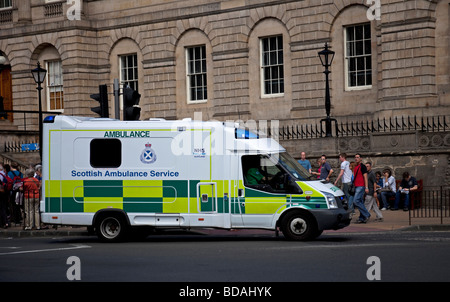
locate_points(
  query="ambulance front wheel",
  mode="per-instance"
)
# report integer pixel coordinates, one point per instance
(110, 228)
(299, 226)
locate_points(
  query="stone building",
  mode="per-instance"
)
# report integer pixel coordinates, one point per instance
(236, 60)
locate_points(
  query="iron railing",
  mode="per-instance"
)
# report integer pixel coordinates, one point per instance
(4, 113)
(434, 202)
(21, 206)
(359, 128)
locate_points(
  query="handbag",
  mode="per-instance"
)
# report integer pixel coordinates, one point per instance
(351, 189)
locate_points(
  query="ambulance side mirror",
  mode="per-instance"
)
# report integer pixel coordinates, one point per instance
(293, 187)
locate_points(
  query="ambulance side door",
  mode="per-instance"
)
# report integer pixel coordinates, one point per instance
(237, 196)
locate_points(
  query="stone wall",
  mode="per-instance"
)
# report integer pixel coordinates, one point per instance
(424, 155)
(409, 47)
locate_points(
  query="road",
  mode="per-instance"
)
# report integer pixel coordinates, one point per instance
(399, 256)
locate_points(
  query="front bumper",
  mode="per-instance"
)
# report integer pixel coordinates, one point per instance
(331, 219)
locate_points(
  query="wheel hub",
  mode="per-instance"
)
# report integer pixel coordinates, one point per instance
(298, 226)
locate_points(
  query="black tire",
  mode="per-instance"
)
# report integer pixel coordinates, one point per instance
(111, 227)
(299, 226)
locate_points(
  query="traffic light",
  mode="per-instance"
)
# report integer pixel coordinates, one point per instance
(131, 109)
(102, 98)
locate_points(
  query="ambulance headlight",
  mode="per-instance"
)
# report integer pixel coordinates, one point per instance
(331, 201)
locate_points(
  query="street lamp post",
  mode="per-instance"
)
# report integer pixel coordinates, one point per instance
(39, 77)
(326, 58)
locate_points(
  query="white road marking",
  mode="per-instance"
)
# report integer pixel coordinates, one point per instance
(74, 247)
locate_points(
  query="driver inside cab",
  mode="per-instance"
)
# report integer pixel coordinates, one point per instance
(255, 176)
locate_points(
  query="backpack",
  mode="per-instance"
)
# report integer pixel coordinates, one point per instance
(7, 182)
(17, 181)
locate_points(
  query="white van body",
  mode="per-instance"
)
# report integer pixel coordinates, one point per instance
(116, 175)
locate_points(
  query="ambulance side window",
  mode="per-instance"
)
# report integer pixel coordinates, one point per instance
(262, 174)
(106, 153)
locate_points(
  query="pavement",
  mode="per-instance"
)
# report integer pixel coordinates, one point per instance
(393, 221)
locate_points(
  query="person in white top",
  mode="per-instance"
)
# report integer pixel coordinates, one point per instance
(345, 174)
(389, 188)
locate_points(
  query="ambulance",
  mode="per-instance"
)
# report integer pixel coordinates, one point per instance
(118, 177)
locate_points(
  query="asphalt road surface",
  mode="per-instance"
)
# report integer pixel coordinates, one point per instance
(190, 257)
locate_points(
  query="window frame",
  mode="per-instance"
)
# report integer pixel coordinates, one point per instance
(263, 66)
(124, 70)
(59, 87)
(366, 57)
(248, 162)
(190, 74)
(3, 4)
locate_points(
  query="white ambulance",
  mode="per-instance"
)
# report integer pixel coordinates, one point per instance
(116, 176)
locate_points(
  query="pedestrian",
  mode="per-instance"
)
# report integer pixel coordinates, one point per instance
(362, 186)
(379, 182)
(351, 209)
(15, 196)
(388, 189)
(304, 162)
(407, 185)
(38, 172)
(319, 163)
(325, 169)
(31, 189)
(371, 196)
(3, 199)
(345, 174)
(379, 185)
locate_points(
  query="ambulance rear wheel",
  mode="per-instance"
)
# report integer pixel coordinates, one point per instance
(110, 228)
(299, 226)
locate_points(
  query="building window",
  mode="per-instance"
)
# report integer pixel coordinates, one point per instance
(55, 91)
(358, 55)
(196, 73)
(5, 3)
(129, 71)
(272, 65)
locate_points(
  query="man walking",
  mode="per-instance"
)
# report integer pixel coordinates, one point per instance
(304, 162)
(345, 174)
(362, 186)
(325, 169)
(371, 197)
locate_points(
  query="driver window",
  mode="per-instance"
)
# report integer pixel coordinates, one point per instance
(262, 174)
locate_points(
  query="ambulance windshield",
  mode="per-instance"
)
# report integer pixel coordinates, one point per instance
(292, 166)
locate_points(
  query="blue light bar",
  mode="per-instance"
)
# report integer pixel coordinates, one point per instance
(49, 119)
(245, 134)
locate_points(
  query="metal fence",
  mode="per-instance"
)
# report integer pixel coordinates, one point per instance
(434, 202)
(21, 207)
(23, 116)
(358, 128)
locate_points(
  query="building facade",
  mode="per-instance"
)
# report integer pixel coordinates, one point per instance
(229, 60)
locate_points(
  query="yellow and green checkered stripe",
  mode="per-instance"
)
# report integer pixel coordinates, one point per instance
(166, 196)
(144, 196)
